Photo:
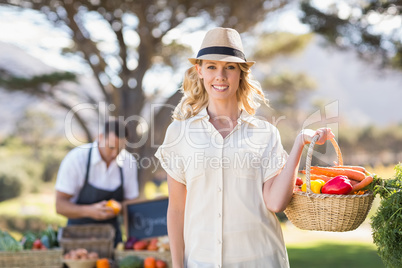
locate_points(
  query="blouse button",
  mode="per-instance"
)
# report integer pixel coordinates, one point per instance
(219, 215)
(219, 189)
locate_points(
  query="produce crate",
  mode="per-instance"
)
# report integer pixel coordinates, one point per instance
(93, 237)
(164, 256)
(50, 258)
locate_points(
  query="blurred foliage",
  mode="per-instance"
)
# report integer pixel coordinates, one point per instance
(272, 45)
(35, 84)
(366, 146)
(33, 128)
(17, 161)
(33, 154)
(357, 24)
(50, 168)
(10, 186)
(23, 224)
(290, 89)
(371, 145)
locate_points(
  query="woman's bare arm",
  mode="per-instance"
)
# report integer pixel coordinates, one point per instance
(175, 220)
(278, 191)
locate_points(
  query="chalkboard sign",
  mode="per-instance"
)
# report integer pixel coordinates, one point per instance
(143, 219)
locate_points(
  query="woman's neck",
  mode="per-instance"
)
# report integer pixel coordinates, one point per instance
(223, 110)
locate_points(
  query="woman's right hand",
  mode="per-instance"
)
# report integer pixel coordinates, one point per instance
(307, 135)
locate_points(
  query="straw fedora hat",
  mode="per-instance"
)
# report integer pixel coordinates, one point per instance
(222, 44)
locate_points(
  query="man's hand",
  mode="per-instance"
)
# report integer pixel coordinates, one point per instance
(99, 211)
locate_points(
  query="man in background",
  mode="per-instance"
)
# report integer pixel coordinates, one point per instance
(94, 173)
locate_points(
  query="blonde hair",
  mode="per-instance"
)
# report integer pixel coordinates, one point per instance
(195, 97)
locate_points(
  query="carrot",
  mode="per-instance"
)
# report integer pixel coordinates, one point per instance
(360, 192)
(358, 168)
(367, 180)
(353, 182)
(332, 172)
(320, 177)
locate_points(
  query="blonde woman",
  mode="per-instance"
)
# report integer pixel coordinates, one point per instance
(228, 173)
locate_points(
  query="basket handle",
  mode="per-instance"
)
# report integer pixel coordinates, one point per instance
(310, 155)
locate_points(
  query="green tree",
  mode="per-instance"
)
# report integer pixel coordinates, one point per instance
(140, 30)
(360, 25)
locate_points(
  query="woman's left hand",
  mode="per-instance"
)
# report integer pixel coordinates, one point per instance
(324, 135)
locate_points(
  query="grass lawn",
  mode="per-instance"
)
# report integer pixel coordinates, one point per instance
(333, 254)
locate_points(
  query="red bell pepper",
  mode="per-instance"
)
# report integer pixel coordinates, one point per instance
(299, 181)
(338, 185)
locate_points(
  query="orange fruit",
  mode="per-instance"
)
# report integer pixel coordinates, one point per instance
(114, 205)
(150, 262)
(102, 263)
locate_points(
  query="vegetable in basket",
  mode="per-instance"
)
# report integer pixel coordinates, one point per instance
(367, 181)
(8, 243)
(332, 172)
(131, 262)
(316, 186)
(45, 239)
(331, 206)
(299, 181)
(102, 263)
(150, 262)
(338, 185)
(130, 243)
(28, 240)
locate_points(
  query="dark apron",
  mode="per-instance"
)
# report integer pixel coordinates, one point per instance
(90, 195)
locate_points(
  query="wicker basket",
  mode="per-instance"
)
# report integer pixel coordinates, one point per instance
(80, 263)
(51, 258)
(164, 256)
(93, 237)
(325, 212)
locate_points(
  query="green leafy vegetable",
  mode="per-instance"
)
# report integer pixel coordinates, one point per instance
(8, 243)
(28, 240)
(386, 224)
(131, 262)
(49, 237)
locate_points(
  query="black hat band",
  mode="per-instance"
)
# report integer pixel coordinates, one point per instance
(222, 50)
